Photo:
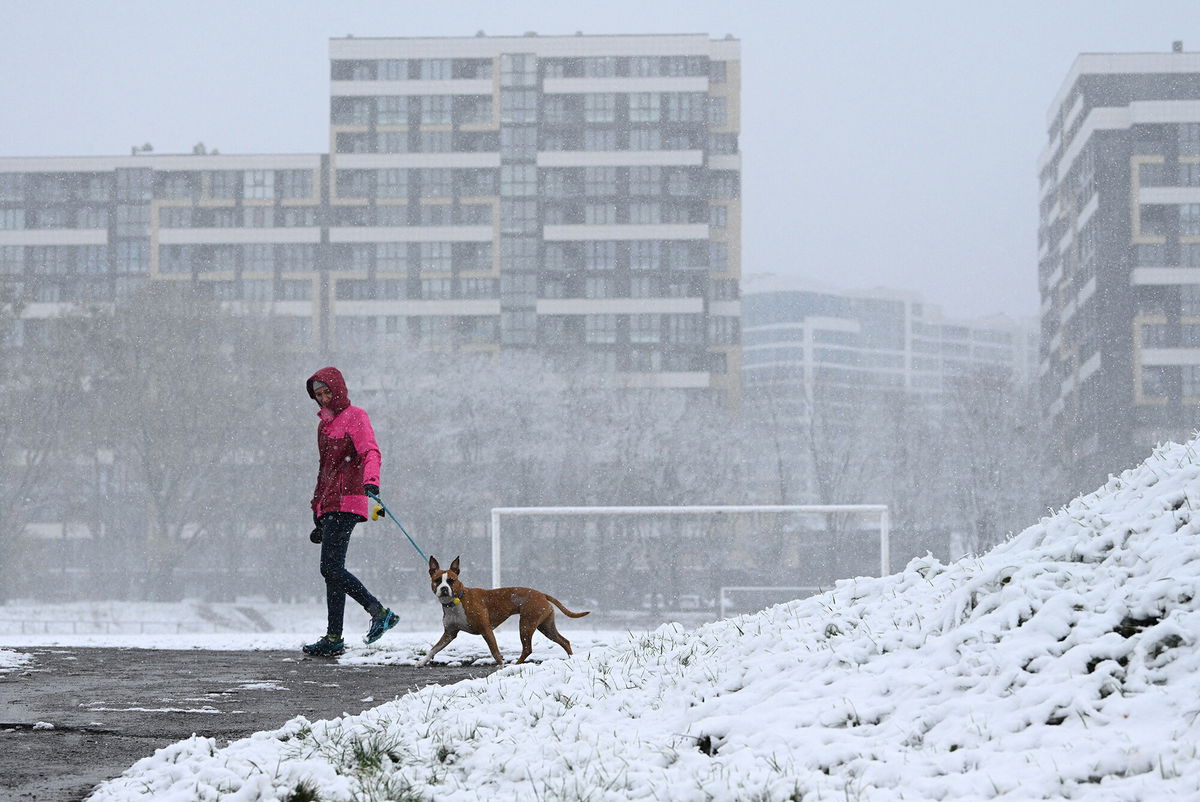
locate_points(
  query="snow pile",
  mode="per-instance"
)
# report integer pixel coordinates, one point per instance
(1062, 664)
(10, 661)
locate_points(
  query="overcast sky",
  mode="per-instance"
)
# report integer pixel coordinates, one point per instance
(884, 143)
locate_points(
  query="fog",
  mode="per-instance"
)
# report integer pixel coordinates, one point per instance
(158, 445)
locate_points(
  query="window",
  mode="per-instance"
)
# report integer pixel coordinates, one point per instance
(133, 221)
(391, 257)
(600, 181)
(51, 259)
(258, 258)
(436, 257)
(136, 184)
(722, 330)
(519, 254)
(599, 67)
(472, 68)
(392, 110)
(356, 257)
(393, 69)
(685, 329)
(1189, 219)
(1155, 380)
(518, 143)
(436, 109)
(258, 217)
(174, 259)
(518, 179)
(293, 290)
(519, 106)
(645, 180)
(436, 141)
(258, 289)
(12, 259)
(299, 216)
(600, 328)
(598, 287)
(472, 255)
(717, 72)
(600, 214)
(353, 183)
(392, 183)
(724, 185)
(645, 328)
(646, 139)
(518, 216)
(297, 258)
(718, 113)
(645, 66)
(221, 184)
(518, 326)
(258, 183)
(518, 69)
(353, 143)
(350, 110)
(722, 144)
(599, 139)
(473, 214)
(1189, 174)
(1191, 381)
(600, 108)
(472, 110)
(556, 109)
(645, 255)
(477, 182)
(294, 183)
(718, 257)
(436, 182)
(1189, 139)
(718, 216)
(435, 69)
(643, 287)
(133, 257)
(686, 107)
(1155, 335)
(12, 186)
(645, 107)
(600, 255)
(478, 288)
(391, 142)
(645, 213)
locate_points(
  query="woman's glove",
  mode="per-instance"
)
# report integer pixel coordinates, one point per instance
(372, 490)
(315, 535)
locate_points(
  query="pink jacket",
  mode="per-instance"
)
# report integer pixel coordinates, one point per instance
(349, 455)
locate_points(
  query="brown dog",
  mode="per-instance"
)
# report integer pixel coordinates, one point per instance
(479, 611)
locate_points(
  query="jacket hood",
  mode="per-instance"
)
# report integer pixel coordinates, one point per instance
(333, 377)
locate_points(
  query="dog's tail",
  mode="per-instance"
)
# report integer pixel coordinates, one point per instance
(566, 612)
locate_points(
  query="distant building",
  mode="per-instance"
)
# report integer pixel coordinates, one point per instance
(1119, 259)
(803, 335)
(578, 195)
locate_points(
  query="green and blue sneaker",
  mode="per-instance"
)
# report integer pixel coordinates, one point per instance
(326, 646)
(381, 624)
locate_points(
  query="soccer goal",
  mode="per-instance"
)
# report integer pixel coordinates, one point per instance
(717, 547)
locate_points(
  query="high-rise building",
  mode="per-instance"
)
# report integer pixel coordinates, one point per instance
(578, 195)
(1119, 259)
(856, 345)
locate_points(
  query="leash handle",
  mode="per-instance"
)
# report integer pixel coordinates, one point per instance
(379, 501)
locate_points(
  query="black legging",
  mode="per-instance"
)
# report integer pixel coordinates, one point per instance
(339, 583)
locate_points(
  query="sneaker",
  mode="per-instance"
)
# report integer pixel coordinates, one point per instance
(326, 646)
(381, 624)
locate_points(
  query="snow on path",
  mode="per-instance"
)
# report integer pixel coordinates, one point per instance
(1060, 665)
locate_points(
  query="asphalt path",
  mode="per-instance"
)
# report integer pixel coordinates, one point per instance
(108, 708)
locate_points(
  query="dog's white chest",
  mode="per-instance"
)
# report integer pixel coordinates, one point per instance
(454, 619)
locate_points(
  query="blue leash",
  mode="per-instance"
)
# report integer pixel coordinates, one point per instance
(379, 501)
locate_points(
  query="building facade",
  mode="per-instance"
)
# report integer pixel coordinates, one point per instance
(578, 195)
(1119, 259)
(871, 342)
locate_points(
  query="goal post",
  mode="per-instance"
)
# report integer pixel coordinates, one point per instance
(876, 511)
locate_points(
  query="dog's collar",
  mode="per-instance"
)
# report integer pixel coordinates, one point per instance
(453, 601)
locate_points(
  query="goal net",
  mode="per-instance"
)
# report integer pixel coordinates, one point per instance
(678, 561)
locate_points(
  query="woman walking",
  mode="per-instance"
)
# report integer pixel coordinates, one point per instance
(349, 469)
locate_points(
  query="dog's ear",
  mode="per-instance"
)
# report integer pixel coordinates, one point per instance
(454, 565)
(433, 566)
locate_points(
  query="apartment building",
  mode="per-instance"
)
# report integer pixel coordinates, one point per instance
(801, 335)
(1119, 259)
(578, 195)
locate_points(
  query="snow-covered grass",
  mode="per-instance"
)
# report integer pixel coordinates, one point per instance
(1060, 665)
